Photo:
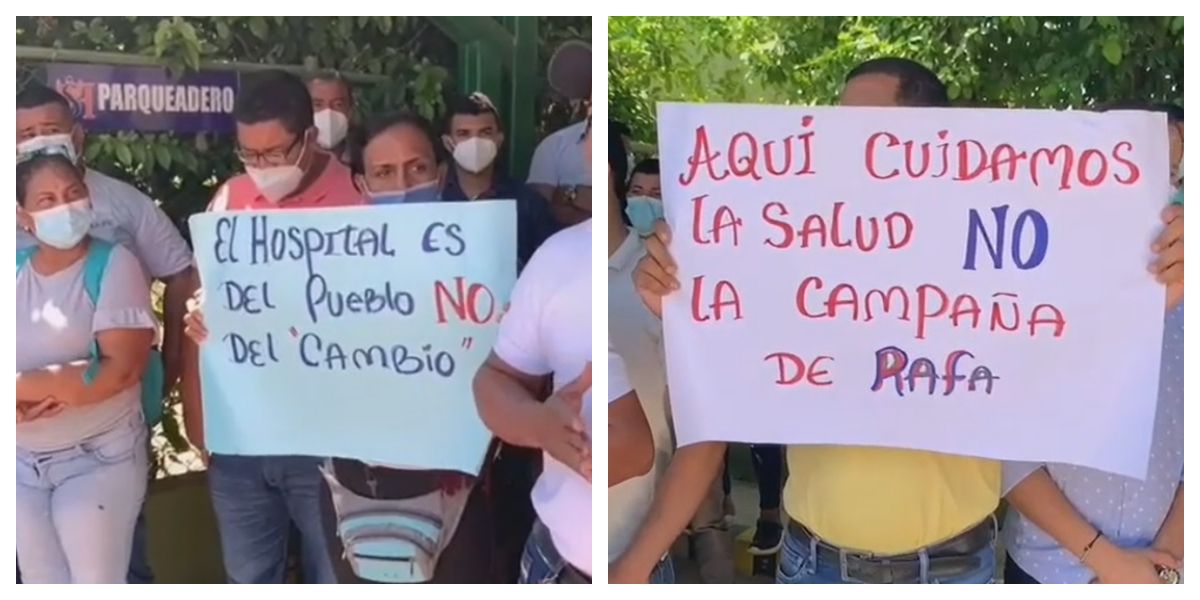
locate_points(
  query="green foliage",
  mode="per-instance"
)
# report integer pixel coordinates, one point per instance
(1020, 62)
(414, 56)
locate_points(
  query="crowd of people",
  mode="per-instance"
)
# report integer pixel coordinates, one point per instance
(876, 515)
(92, 369)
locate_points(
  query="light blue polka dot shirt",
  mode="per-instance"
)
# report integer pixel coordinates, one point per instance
(1129, 512)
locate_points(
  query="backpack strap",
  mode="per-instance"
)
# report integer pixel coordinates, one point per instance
(94, 266)
(23, 257)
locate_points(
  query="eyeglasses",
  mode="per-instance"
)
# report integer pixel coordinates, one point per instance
(274, 157)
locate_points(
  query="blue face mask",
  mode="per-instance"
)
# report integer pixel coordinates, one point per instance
(425, 192)
(643, 211)
(63, 226)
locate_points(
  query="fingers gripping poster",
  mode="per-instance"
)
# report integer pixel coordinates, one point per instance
(352, 332)
(963, 281)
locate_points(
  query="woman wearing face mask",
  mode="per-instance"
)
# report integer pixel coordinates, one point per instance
(85, 325)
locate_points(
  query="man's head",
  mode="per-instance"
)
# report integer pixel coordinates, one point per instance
(44, 118)
(893, 82)
(332, 107)
(275, 132)
(398, 156)
(474, 133)
(645, 180)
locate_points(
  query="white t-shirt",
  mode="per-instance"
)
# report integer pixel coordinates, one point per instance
(124, 215)
(636, 335)
(560, 160)
(548, 329)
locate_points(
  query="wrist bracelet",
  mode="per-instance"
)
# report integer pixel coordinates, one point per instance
(1088, 548)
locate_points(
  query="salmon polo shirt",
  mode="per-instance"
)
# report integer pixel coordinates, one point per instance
(333, 187)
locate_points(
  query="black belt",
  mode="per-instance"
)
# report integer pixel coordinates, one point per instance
(570, 574)
(952, 557)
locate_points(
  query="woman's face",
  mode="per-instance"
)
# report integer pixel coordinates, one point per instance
(50, 186)
(398, 159)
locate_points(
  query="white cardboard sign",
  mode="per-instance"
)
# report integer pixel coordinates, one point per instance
(967, 281)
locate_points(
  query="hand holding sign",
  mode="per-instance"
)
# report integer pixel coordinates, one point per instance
(193, 321)
(561, 431)
(655, 274)
(1168, 265)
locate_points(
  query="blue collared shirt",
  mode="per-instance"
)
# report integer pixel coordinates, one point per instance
(1127, 511)
(535, 223)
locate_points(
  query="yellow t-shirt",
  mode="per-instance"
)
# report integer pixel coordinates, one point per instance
(887, 501)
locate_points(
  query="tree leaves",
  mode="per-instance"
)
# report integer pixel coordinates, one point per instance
(1054, 62)
(1112, 50)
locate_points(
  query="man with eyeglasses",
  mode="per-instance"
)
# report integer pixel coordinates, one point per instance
(255, 497)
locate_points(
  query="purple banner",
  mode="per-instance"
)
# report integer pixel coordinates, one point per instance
(115, 98)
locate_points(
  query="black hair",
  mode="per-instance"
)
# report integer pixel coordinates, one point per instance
(647, 166)
(618, 161)
(381, 124)
(919, 86)
(333, 77)
(469, 105)
(1174, 112)
(26, 169)
(275, 96)
(37, 94)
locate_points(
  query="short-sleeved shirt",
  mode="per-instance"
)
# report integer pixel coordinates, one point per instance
(124, 215)
(560, 160)
(636, 336)
(57, 322)
(1129, 512)
(548, 329)
(535, 222)
(333, 187)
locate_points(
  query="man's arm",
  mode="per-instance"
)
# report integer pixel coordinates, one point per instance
(190, 392)
(179, 287)
(678, 497)
(1170, 535)
(507, 401)
(630, 443)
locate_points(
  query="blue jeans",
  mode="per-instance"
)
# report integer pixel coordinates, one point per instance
(139, 557)
(254, 499)
(798, 565)
(541, 562)
(76, 507)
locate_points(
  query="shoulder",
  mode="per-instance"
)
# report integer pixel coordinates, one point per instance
(563, 254)
(231, 193)
(107, 189)
(567, 135)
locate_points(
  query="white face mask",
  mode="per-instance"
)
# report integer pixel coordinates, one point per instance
(475, 154)
(59, 143)
(332, 127)
(63, 226)
(275, 183)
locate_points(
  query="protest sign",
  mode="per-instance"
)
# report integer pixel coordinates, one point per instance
(963, 281)
(352, 332)
(121, 98)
